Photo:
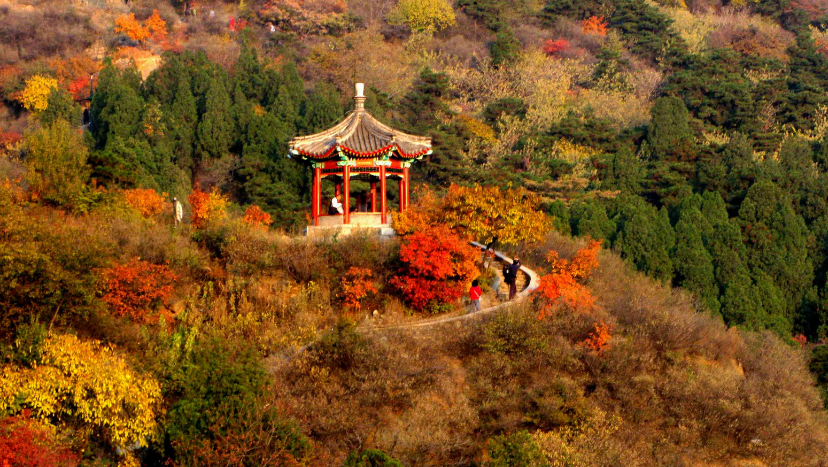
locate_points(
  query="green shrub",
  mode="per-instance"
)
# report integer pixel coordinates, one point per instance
(515, 450)
(371, 458)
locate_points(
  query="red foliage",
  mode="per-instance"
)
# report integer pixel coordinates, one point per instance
(594, 25)
(136, 287)
(562, 284)
(356, 285)
(801, 339)
(8, 138)
(437, 264)
(256, 218)
(555, 47)
(25, 443)
(598, 340)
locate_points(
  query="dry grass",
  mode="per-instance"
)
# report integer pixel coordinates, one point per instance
(675, 388)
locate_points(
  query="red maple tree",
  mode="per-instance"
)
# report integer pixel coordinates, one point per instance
(135, 288)
(26, 443)
(437, 266)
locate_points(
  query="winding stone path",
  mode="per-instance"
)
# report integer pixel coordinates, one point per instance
(531, 280)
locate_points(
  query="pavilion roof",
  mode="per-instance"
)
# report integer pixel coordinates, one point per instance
(360, 135)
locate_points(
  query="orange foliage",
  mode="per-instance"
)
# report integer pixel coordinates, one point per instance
(130, 26)
(256, 218)
(156, 26)
(801, 339)
(437, 265)
(598, 340)
(146, 201)
(73, 73)
(356, 285)
(207, 207)
(562, 284)
(594, 25)
(136, 287)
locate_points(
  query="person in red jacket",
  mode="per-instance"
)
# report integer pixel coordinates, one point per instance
(474, 294)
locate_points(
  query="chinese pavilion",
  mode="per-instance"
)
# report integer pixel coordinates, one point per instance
(359, 147)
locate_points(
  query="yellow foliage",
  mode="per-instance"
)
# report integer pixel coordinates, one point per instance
(578, 445)
(568, 151)
(35, 96)
(477, 128)
(423, 15)
(511, 215)
(86, 381)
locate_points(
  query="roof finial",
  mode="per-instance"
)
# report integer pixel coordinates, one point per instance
(359, 98)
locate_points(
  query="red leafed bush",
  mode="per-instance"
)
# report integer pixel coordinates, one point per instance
(437, 265)
(146, 201)
(135, 288)
(801, 339)
(25, 443)
(356, 285)
(256, 218)
(555, 47)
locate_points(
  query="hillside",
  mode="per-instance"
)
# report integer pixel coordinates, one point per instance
(667, 385)
(689, 138)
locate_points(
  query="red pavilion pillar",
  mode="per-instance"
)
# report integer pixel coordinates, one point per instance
(338, 192)
(402, 194)
(316, 195)
(373, 196)
(407, 181)
(384, 214)
(346, 194)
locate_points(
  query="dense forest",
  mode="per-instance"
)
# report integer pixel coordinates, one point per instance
(689, 137)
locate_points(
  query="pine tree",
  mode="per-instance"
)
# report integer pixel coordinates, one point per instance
(322, 108)
(505, 48)
(249, 74)
(181, 122)
(215, 130)
(669, 135)
(624, 172)
(693, 263)
(61, 106)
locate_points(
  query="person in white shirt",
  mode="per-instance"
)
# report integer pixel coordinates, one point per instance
(336, 206)
(178, 211)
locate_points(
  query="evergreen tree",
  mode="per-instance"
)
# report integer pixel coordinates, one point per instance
(322, 108)
(777, 244)
(669, 136)
(624, 172)
(693, 263)
(645, 237)
(249, 74)
(61, 106)
(181, 123)
(505, 48)
(215, 130)
(589, 219)
(646, 29)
